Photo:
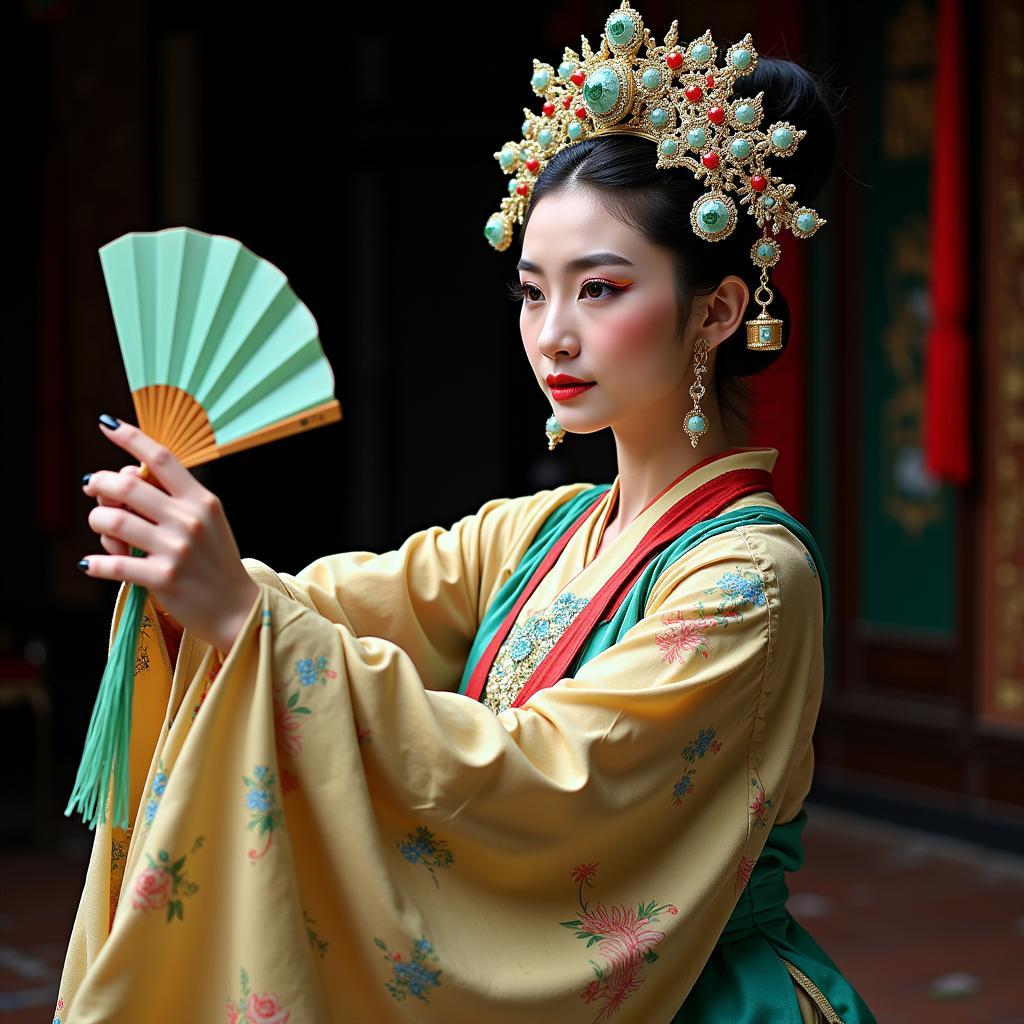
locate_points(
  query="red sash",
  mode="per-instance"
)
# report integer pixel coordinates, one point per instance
(702, 503)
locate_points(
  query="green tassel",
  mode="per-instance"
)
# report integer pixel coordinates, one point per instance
(109, 733)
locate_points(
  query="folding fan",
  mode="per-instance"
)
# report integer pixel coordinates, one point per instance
(221, 356)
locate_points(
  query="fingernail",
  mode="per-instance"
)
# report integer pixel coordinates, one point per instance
(110, 422)
(86, 478)
(83, 564)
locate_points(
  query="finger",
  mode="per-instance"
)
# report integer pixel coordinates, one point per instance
(124, 525)
(163, 464)
(146, 571)
(114, 546)
(131, 470)
(129, 490)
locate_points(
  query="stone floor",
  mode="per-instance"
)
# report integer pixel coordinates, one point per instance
(927, 929)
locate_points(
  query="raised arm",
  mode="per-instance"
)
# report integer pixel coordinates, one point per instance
(429, 595)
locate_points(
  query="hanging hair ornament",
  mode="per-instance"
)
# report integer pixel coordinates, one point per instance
(679, 98)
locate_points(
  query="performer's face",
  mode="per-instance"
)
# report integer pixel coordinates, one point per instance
(614, 323)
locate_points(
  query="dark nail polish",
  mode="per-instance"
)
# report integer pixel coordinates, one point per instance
(83, 564)
(86, 478)
(111, 422)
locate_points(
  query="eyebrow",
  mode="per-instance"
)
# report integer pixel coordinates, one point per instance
(594, 259)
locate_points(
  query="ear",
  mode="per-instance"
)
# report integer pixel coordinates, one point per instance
(725, 309)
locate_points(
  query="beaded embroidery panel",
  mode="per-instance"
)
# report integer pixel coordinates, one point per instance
(525, 648)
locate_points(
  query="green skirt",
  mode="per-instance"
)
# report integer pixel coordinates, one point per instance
(749, 976)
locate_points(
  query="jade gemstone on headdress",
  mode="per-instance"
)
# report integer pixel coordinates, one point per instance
(544, 136)
(601, 91)
(805, 221)
(494, 229)
(782, 137)
(740, 58)
(512, 183)
(740, 148)
(565, 69)
(696, 137)
(508, 157)
(621, 29)
(767, 201)
(695, 424)
(765, 251)
(745, 113)
(540, 79)
(668, 146)
(575, 130)
(713, 216)
(658, 116)
(700, 52)
(651, 78)
(525, 129)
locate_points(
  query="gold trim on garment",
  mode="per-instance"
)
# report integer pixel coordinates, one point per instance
(814, 992)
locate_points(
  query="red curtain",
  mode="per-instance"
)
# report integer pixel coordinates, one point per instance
(947, 412)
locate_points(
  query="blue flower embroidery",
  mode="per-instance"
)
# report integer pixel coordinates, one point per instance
(159, 783)
(747, 586)
(681, 788)
(311, 671)
(426, 849)
(700, 744)
(151, 806)
(259, 800)
(705, 741)
(411, 977)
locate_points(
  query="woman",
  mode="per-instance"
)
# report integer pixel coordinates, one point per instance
(548, 764)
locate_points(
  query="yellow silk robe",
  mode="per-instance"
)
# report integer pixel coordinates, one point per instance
(325, 829)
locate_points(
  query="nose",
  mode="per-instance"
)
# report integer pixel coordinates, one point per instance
(556, 339)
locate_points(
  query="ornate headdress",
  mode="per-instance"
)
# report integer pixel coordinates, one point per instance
(679, 98)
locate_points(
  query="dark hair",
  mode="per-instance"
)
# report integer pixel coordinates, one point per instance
(656, 202)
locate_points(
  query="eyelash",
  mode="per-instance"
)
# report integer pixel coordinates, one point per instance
(517, 292)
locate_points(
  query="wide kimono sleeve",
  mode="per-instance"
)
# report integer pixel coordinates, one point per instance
(376, 850)
(429, 594)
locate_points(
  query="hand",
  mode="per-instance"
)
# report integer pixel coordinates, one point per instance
(192, 563)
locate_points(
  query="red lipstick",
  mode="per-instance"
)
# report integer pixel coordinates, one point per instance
(564, 386)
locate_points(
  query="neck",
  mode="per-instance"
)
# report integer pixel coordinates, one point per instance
(653, 450)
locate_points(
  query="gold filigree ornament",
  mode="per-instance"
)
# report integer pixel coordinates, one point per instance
(676, 96)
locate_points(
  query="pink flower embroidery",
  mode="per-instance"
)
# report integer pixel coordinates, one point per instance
(743, 869)
(289, 782)
(626, 936)
(685, 634)
(152, 889)
(625, 939)
(759, 804)
(287, 728)
(264, 1008)
(232, 1012)
(583, 872)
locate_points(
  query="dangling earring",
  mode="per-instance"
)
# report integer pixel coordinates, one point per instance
(555, 432)
(696, 421)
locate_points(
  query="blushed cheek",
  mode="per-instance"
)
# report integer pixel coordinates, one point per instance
(634, 333)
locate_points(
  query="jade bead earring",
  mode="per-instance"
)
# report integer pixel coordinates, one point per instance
(696, 421)
(555, 432)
